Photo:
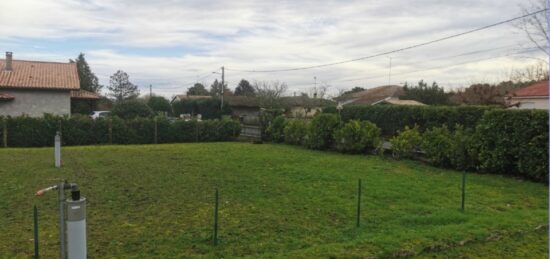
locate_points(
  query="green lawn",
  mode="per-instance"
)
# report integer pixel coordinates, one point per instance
(275, 201)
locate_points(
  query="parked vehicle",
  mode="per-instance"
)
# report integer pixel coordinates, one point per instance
(96, 114)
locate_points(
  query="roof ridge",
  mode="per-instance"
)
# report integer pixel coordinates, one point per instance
(39, 61)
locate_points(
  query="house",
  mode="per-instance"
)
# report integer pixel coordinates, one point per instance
(534, 96)
(303, 106)
(243, 106)
(387, 94)
(34, 88)
(397, 101)
(184, 97)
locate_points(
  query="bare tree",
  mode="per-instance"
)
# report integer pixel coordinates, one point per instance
(533, 73)
(269, 93)
(535, 26)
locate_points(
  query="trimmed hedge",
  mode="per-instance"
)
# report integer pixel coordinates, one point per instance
(514, 142)
(392, 118)
(81, 130)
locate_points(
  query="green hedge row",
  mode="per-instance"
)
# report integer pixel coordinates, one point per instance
(509, 142)
(391, 118)
(81, 130)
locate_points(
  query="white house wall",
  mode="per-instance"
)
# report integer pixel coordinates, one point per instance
(35, 103)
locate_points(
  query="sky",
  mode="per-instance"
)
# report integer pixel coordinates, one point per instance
(172, 44)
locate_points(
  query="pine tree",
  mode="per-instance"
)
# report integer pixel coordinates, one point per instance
(121, 88)
(244, 89)
(88, 80)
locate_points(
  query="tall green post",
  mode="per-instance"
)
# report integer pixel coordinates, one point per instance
(215, 238)
(463, 190)
(35, 220)
(359, 203)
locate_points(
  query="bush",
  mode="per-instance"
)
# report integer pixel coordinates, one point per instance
(356, 137)
(296, 132)
(276, 129)
(392, 118)
(437, 143)
(514, 142)
(131, 109)
(463, 152)
(406, 143)
(321, 131)
(159, 105)
(81, 130)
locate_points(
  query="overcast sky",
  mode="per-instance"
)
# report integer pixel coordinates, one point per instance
(172, 44)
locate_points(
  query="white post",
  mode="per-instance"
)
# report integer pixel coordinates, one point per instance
(57, 151)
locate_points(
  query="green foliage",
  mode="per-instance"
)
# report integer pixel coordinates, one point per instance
(82, 106)
(216, 89)
(197, 89)
(208, 108)
(426, 94)
(277, 129)
(245, 89)
(132, 109)
(357, 136)
(266, 119)
(159, 105)
(463, 153)
(296, 132)
(392, 118)
(406, 143)
(121, 88)
(88, 80)
(81, 130)
(437, 143)
(514, 142)
(321, 131)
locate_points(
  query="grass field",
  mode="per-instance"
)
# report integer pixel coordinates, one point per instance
(275, 201)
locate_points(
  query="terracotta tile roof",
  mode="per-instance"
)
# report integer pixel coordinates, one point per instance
(6, 97)
(83, 94)
(39, 75)
(537, 89)
(372, 95)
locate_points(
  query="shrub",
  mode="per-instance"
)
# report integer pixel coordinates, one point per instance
(356, 136)
(321, 131)
(391, 118)
(159, 105)
(81, 130)
(277, 129)
(406, 143)
(514, 142)
(463, 152)
(296, 132)
(132, 109)
(437, 143)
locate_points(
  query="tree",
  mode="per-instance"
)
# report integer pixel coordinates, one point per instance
(132, 109)
(535, 26)
(159, 104)
(197, 89)
(354, 90)
(88, 80)
(121, 88)
(425, 94)
(269, 93)
(216, 89)
(244, 89)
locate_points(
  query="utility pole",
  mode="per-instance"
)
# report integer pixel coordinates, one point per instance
(223, 86)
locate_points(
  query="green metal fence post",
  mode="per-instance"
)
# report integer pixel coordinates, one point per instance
(35, 217)
(216, 218)
(463, 190)
(359, 203)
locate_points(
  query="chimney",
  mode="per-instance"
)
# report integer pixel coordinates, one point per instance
(9, 66)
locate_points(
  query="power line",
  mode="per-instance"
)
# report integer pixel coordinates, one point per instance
(393, 51)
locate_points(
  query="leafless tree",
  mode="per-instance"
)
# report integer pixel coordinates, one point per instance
(533, 73)
(269, 92)
(535, 26)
